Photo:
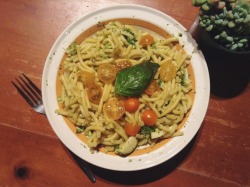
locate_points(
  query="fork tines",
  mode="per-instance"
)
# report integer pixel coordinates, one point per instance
(30, 92)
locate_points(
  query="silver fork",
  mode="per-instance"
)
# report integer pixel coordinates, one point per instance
(31, 93)
(33, 96)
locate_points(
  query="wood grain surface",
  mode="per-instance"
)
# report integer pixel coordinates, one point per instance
(32, 155)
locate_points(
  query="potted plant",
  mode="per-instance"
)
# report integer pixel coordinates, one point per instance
(222, 31)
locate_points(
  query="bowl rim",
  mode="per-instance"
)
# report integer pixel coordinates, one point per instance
(128, 163)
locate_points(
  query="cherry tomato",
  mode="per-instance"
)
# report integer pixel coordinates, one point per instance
(87, 78)
(131, 129)
(106, 73)
(131, 104)
(94, 93)
(167, 71)
(149, 117)
(114, 108)
(123, 64)
(146, 40)
(152, 88)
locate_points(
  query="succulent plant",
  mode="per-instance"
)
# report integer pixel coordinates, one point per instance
(227, 21)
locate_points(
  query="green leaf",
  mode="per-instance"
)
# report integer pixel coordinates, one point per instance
(134, 80)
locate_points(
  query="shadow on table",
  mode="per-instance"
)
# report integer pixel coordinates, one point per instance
(147, 175)
(228, 78)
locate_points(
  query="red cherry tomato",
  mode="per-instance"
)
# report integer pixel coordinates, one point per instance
(131, 104)
(167, 71)
(146, 40)
(131, 129)
(152, 88)
(149, 117)
(114, 108)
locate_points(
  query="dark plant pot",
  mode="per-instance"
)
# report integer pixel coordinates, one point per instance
(229, 70)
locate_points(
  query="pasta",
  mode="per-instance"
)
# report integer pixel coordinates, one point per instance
(120, 46)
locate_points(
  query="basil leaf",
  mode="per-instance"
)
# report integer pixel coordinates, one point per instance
(134, 80)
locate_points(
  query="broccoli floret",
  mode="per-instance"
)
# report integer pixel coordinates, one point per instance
(131, 40)
(72, 49)
(184, 78)
(146, 130)
(79, 129)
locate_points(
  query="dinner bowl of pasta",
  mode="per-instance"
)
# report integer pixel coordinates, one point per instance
(125, 87)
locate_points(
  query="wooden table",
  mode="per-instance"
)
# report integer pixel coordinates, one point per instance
(32, 155)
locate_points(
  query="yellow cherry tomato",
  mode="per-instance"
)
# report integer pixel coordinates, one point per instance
(106, 73)
(167, 71)
(94, 93)
(86, 78)
(114, 108)
(123, 64)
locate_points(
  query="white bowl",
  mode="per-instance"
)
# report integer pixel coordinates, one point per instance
(164, 152)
